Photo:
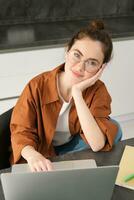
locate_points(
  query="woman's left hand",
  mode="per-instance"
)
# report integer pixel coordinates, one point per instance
(79, 87)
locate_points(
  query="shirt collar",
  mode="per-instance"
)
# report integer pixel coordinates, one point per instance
(50, 93)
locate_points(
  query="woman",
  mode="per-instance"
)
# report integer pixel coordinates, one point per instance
(68, 108)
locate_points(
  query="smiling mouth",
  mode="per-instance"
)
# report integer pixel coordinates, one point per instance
(77, 74)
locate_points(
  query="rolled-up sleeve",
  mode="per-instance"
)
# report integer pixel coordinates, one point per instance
(100, 107)
(23, 124)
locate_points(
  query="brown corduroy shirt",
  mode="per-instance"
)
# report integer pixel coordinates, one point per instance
(35, 115)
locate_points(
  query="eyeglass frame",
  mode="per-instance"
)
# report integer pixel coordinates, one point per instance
(84, 61)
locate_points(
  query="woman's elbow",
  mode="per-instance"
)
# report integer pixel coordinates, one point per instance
(98, 147)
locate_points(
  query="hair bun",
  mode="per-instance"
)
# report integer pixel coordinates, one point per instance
(97, 25)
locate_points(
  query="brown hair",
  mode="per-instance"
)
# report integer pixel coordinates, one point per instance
(96, 31)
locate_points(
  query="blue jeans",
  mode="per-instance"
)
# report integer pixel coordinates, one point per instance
(78, 144)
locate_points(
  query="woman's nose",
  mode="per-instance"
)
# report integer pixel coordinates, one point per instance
(80, 66)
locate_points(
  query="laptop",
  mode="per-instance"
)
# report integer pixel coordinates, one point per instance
(58, 166)
(81, 184)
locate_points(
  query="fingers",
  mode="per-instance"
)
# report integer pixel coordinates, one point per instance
(46, 165)
(49, 165)
(90, 81)
(102, 68)
(93, 79)
(41, 166)
(99, 73)
(37, 167)
(40, 163)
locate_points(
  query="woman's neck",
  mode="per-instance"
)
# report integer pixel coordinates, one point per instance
(64, 87)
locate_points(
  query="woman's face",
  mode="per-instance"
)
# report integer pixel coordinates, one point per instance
(83, 60)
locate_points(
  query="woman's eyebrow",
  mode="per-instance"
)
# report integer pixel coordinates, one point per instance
(93, 59)
(79, 52)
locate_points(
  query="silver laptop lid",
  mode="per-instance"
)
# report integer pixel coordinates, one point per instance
(80, 184)
(61, 165)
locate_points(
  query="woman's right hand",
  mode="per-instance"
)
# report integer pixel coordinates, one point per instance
(36, 161)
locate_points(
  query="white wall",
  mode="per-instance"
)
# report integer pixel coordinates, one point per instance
(17, 68)
(119, 78)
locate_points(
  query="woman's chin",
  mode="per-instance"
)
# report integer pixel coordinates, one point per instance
(75, 80)
(71, 79)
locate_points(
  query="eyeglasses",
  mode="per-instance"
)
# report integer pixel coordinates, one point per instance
(89, 65)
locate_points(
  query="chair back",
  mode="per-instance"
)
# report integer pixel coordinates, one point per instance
(5, 143)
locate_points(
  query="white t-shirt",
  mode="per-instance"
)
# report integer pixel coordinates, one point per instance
(62, 134)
